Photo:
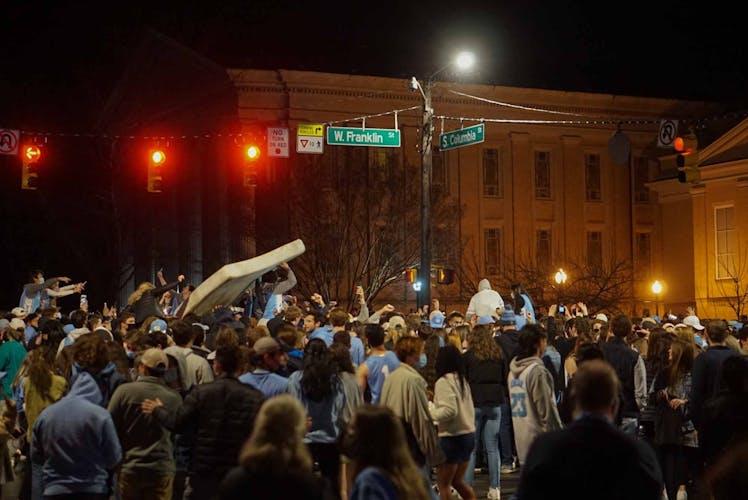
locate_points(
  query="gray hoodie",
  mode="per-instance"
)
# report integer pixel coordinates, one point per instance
(485, 302)
(532, 400)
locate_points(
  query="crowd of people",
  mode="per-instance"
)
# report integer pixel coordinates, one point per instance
(295, 398)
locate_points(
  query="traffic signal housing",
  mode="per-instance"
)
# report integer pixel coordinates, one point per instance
(411, 274)
(29, 163)
(687, 159)
(252, 154)
(445, 276)
(156, 161)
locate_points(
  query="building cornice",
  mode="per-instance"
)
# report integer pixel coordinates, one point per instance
(592, 107)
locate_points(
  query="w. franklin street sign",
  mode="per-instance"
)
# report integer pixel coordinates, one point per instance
(376, 137)
(463, 137)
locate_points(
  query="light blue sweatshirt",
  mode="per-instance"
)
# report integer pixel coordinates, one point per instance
(75, 442)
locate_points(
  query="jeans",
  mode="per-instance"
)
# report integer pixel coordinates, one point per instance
(506, 436)
(426, 471)
(487, 423)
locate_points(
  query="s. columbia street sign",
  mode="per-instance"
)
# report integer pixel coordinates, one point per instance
(463, 137)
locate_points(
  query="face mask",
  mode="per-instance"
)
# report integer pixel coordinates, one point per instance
(422, 360)
(41, 280)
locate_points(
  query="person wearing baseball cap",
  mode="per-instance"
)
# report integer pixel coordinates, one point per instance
(18, 312)
(267, 357)
(148, 455)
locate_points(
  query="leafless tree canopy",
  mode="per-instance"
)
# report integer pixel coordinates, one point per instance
(358, 212)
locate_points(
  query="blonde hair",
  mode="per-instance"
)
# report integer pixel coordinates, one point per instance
(277, 441)
(142, 288)
(687, 333)
(454, 339)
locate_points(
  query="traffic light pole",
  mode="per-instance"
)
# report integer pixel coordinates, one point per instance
(427, 132)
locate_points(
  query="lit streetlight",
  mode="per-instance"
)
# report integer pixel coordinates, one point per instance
(560, 278)
(657, 290)
(463, 61)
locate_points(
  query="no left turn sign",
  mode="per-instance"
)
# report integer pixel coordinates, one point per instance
(9, 141)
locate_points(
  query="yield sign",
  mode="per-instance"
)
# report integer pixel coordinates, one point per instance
(310, 145)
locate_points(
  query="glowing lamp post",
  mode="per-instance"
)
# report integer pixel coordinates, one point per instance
(657, 290)
(463, 61)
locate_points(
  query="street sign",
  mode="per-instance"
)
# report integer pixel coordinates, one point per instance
(310, 145)
(463, 137)
(376, 137)
(9, 141)
(277, 142)
(311, 129)
(667, 133)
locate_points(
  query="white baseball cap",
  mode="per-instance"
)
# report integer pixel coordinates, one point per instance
(693, 321)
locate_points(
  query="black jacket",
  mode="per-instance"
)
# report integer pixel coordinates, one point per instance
(147, 305)
(614, 466)
(507, 340)
(486, 379)
(217, 417)
(275, 484)
(623, 359)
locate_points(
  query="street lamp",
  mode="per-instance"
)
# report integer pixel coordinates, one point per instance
(560, 278)
(463, 61)
(657, 290)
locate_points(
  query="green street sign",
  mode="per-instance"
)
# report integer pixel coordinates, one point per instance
(463, 137)
(375, 137)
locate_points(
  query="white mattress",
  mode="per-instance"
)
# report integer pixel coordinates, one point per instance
(228, 283)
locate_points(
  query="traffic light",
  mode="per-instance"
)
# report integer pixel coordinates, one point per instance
(155, 164)
(411, 274)
(687, 159)
(445, 276)
(29, 174)
(252, 154)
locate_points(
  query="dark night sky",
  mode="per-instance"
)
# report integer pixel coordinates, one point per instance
(62, 59)
(609, 47)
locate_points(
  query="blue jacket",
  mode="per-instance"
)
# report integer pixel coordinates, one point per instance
(268, 383)
(358, 353)
(325, 414)
(373, 484)
(324, 333)
(75, 441)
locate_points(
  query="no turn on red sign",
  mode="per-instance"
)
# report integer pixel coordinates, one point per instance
(277, 142)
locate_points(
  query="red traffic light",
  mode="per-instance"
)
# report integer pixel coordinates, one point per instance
(32, 153)
(253, 152)
(158, 157)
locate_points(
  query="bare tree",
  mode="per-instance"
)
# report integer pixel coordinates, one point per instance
(359, 219)
(606, 287)
(735, 287)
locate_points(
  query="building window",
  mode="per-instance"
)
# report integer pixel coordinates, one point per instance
(439, 173)
(543, 252)
(724, 229)
(492, 250)
(491, 173)
(641, 177)
(643, 255)
(542, 175)
(592, 177)
(594, 249)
